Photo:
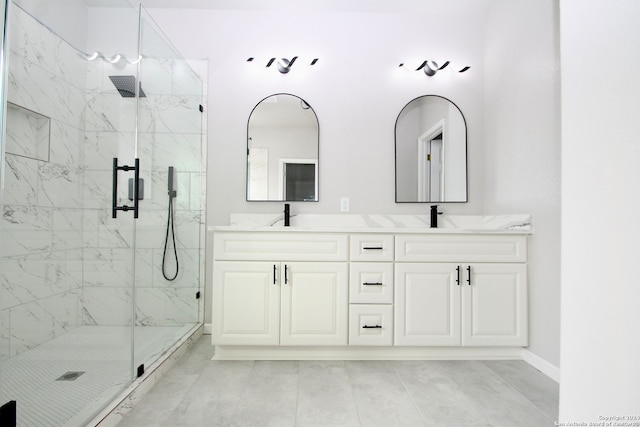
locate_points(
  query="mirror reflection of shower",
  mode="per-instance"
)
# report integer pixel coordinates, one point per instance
(172, 192)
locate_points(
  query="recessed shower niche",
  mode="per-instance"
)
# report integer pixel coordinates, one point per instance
(28, 133)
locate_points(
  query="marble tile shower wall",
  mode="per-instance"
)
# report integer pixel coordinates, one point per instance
(64, 261)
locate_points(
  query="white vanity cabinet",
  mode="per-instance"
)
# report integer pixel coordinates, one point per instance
(382, 294)
(477, 298)
(285, 289)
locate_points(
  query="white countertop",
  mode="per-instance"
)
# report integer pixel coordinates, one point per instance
(353, 223)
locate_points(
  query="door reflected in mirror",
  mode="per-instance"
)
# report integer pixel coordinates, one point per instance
(282, 150)
(431, 152)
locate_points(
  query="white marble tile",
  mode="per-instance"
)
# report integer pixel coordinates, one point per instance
(66, 144)
(59, 186)
(25, 230)
(101, 147)
(171, 114)
(144, 267)
(37, 322)
(189, 268)
(108, 267)
(32, 277)
(67, 229)
(28, 133)
(30, 86)
(21, 180)
(115, 232)
(97, 192)
(157, 151)
(110, 112)
(166, 306)
(30, 39)
(106, 306)
(69, 65)
(4, 336)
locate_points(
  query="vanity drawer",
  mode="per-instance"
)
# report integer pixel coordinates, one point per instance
(371, 282)
(371, 247)
(461, 248)
(371, 324)
(275, 246)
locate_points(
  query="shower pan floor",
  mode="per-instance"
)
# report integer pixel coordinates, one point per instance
(66, 381)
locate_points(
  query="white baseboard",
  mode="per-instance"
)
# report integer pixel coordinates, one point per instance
(542, 365)
(207, 329)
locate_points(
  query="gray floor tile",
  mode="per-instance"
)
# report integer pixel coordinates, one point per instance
(200, 392)
(382, 400)
(541, 390)
(325, 397)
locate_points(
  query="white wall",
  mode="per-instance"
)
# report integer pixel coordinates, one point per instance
(522, 147)
(600, 156)
(358, 91)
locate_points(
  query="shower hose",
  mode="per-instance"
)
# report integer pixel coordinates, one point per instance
(166, 242)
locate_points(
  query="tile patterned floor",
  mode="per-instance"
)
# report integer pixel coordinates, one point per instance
(201, 392)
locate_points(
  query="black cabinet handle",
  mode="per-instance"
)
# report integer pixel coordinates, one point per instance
(458, 275)
(372, 248)
(286, 281)
(469, 275)
(372, 284)
(372, 327)
(274, 274)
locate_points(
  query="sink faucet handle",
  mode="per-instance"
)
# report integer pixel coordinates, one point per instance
(287, 214)
(434, 216)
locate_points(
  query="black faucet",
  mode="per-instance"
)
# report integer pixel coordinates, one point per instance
(287, 215)
(434, 216)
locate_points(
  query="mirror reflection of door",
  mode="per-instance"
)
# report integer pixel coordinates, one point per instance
(281, 128)
(299, 181)
(443, 179)
(435, 169)
(431, 164)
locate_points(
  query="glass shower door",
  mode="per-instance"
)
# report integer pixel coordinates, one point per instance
(170, 229)
(66, 266)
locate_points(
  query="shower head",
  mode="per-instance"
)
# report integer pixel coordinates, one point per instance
(126, 85)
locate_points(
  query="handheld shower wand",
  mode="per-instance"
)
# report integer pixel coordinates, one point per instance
(172, 194)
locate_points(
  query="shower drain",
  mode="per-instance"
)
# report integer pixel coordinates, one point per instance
(70, 376)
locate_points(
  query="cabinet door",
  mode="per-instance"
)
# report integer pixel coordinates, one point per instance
(246, 303)
(314, 303)
(427, 305)
(494, 305)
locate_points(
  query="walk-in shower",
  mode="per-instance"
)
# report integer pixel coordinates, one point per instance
(88, 301)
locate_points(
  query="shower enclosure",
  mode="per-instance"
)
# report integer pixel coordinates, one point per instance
(94, 96)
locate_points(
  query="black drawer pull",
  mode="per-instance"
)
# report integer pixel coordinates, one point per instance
(372, 248)
(372, 284)
(372, 327)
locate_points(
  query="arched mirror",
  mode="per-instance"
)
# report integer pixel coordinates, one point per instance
(431, 152)
(282, 150)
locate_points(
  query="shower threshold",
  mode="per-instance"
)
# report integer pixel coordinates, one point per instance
(70, 379)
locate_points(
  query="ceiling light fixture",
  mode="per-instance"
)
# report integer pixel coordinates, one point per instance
(284, 64)
(430, 68)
